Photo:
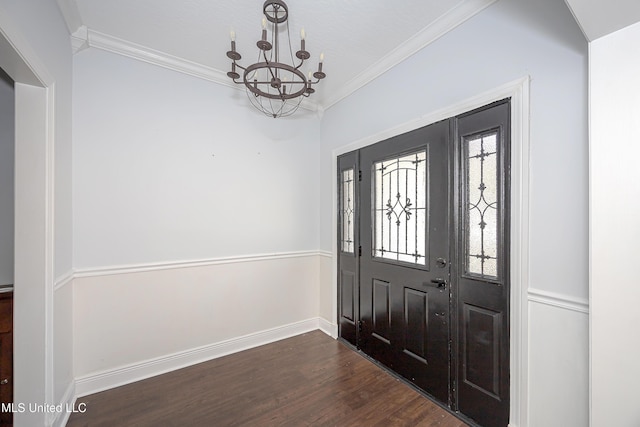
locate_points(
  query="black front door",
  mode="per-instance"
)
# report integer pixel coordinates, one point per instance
(404, 274)
(423, 265)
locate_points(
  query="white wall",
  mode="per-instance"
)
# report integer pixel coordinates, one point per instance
(130, 325)
(168, 167)
(559, 345)
(508, 40)
(7, 154)
(195, 218)
(614, 210)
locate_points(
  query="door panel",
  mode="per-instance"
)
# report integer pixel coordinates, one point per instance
(404, 228)
(416, 311)
(347, 285)
(381, 316)
(481, 349)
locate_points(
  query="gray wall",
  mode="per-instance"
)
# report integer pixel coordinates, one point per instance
(508, 40)
(7, 151)
(168, 167)
(505, 42)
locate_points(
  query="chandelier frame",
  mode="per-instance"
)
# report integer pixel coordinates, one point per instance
(269, 78)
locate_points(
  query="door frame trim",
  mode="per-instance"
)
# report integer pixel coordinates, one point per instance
(518, 91)
(34, 260)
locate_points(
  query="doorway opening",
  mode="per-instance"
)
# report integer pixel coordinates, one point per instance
(7, 197)
(34, 90)
(424, 259)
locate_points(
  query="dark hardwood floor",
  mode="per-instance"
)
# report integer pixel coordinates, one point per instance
(307, 380)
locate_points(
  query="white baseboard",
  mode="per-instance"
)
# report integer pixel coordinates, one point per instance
(60, 418)
(328, 328)
(101, 381)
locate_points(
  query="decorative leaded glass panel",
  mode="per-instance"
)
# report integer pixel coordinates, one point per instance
(482, 198)
(400, 208)
(347, 210)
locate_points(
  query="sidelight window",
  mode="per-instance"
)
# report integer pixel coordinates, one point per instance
(347, 211)
(481, 192)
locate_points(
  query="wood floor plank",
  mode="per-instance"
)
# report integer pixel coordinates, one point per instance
(307, 380)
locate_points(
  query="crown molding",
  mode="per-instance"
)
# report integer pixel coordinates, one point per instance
(80, 39)
(126, 48)
(71, 14)
(86, 37)
(461, 13)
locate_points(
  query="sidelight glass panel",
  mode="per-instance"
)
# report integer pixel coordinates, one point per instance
(481, 190)
(347, 210)
(400, 208)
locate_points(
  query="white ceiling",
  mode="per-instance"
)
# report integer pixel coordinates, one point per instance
(361, 39)
(598, 18)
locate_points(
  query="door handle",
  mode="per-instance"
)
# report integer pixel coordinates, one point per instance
(439, 283)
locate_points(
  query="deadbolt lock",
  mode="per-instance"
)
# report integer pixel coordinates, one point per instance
(441, 262)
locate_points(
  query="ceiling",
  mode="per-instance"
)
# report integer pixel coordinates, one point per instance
(360, 39)
(598, 18)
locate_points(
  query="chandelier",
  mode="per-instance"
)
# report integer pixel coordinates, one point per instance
(276, 88)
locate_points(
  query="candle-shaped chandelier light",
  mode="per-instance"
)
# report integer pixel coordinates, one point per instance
(276, 88)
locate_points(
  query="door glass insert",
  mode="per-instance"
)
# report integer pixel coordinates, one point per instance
(400, 208)
(347, 211)
(481, 219)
